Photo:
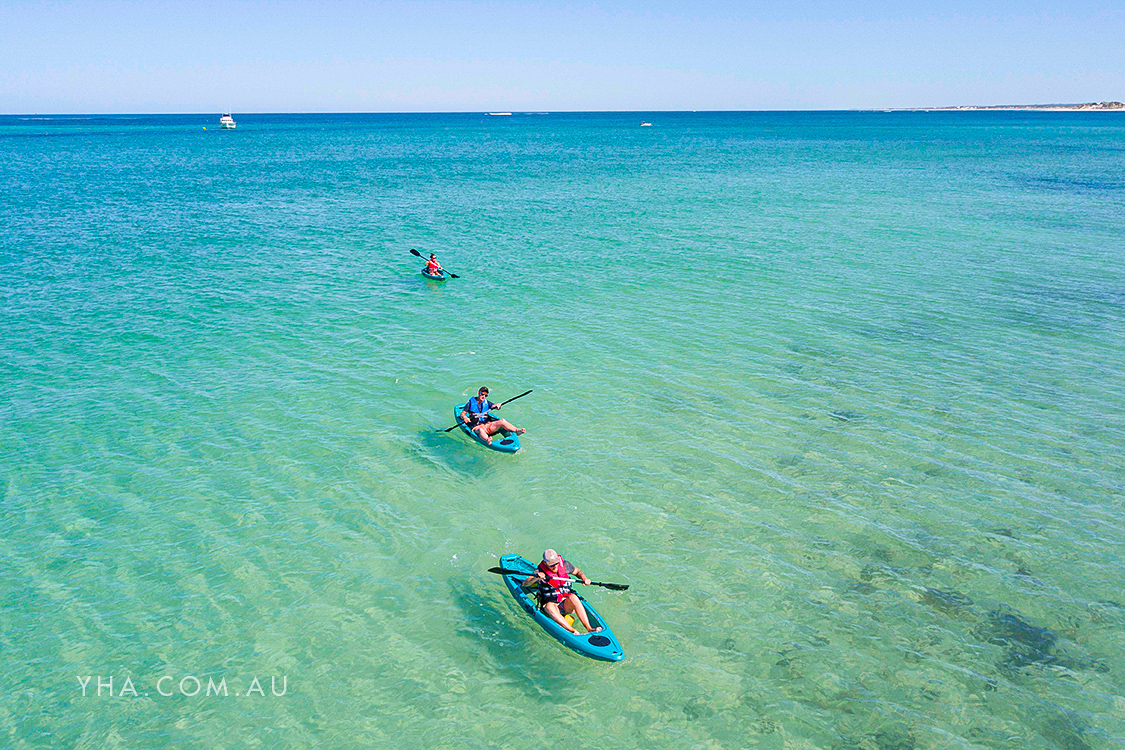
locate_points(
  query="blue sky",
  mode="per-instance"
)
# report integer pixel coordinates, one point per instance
(468, 55)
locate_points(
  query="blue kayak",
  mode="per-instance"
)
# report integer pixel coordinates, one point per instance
(439, 276)
(601, 645)
(503, 441)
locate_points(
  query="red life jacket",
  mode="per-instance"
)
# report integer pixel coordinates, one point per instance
(557, 586)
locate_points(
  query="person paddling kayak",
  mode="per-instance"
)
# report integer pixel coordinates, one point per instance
(556, 598)
(475, 414)
(433, 267)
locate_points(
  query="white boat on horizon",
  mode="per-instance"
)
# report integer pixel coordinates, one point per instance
(500, 114)
(227, 122)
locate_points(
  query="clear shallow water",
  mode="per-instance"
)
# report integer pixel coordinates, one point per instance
(837, 394)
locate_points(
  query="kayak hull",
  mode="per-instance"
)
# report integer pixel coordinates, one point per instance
(603, 646)
(439, 276)
(502, 442)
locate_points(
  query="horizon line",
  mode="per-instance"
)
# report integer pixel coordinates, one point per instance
(1102, 106)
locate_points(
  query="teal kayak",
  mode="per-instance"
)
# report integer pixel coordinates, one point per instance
(601, 645)
(439, 276)
(503, 441)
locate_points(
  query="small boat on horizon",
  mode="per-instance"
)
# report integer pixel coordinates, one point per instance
(646, 124)
(227, 122)
(500, 114)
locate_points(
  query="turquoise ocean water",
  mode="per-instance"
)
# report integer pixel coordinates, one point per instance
(839, 395)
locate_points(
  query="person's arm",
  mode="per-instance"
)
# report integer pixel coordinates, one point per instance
(534, 578)
(578, 572)
(494, 406)
(465, 415)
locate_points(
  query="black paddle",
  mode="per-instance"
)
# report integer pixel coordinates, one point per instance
(415, 252)
(513, 398)
(610, 586)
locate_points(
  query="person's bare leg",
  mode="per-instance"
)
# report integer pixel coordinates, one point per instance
(503, 424)
(574, 605)
(552, 611)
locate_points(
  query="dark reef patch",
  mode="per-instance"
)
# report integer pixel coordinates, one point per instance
(876, 572)
(696, 709)
(863, 588)
(893, 737)
(947, 600)
(1066, 732)
(1027, 644)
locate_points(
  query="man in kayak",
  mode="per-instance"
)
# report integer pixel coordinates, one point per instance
(475, 414)
(556, 598)
(433, 267)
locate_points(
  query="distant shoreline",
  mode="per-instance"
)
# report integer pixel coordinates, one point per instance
(1088, 107)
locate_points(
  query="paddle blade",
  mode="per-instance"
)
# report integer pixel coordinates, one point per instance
(610, 586)
(506, 572)
(415, 252)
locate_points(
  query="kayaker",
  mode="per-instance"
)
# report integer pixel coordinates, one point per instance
(433, 267)
(556, 597)
(475, 414)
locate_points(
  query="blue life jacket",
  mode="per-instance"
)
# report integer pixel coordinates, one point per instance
(477, 412)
